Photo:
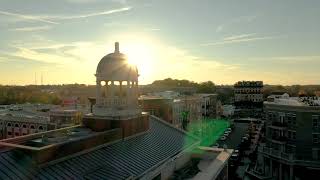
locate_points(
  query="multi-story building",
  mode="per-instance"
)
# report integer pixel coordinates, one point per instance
(179, 111)
(13, 125)
(24, 119)
(185, 110)
(209, 105)
(248, 98)
(292, 148)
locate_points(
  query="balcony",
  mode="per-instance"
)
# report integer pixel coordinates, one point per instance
(276, 153)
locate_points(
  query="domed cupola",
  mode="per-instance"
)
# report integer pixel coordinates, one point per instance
(117, 86)
(115, 66)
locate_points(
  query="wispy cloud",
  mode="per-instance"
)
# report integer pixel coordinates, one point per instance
(242, 19)
(113, 11)
(289, 59)
(239, 38)
(95, 1)
(33, 28)
(28, 17)
(152, 29)
(53, 19)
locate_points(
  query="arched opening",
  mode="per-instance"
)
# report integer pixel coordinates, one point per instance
(103, 88)
(32, 127)
(24, 126)
(40, 128)
(9, 124)
(103, 83)
(16, 125)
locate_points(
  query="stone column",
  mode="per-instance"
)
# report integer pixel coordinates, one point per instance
(271, 170)
(128, 96)
(112, 89)
(280, 171)
(98, 91)
(120, 92)
(291, 172)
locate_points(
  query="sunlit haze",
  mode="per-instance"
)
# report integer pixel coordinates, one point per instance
(62, 41)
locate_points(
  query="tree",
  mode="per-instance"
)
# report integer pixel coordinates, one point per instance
(206, 87)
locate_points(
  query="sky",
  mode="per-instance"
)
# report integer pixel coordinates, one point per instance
(61, 42)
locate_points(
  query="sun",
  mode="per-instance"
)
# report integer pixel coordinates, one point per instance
(141, 55)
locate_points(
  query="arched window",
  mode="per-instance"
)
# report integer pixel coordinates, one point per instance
(32, 127)
(9, 124)
(24, 126)
(40, 128)
(103, 83)
(16, 125)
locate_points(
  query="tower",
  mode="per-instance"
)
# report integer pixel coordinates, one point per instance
(116, 86)
(117, 97)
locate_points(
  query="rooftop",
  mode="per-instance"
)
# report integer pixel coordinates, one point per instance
(293, 101)
(124, 158)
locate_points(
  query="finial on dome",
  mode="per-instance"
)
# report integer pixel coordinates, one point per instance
(116, 47)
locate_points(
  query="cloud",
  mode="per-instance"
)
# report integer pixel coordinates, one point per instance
(40, 56)
(238, 39)
(241, 36)
(33, 28)
(28, 17)
(289, 59)
(242, 19)
(152, 29)
(95, 1)
(113, 11)
(52, 19)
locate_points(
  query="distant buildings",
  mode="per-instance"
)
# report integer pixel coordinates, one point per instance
(292, 148)
(178, 111)
(24, 119)
(248, 98)
(209, 105)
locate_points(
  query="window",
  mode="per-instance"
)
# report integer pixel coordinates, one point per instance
(315, 121)
(32, 127)
(315, 138)
(9, 133)
(24, 126)
(16, 125)
(16, 134)
(294, 119)
(40, 128)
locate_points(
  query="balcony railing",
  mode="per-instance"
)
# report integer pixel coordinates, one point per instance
(279, 124)
(276, 153)
(288, 157)
(279, 138)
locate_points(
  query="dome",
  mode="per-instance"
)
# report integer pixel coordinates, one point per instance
(115, 66)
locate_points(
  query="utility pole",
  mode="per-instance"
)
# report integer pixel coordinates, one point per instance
(35, 78)
(41, 79)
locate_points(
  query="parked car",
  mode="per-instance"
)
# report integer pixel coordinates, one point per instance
(223, 138)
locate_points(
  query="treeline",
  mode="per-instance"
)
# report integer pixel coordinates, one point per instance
(226, 93)
(54, 94)
(203, 87)
(24, 94)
